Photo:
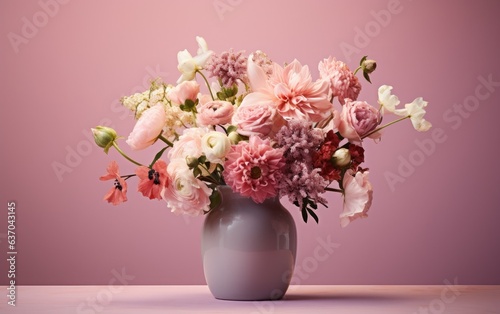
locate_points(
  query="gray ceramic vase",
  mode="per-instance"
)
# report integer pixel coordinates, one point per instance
(248, 249)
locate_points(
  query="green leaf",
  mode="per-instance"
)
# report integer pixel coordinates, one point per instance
(157, 156)
(196, 172)
(367, 77)
(362, 60)
(313, 214)
(304, 215)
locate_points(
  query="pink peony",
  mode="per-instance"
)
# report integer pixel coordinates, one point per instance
(188, 144)
(185, 194)
(358, 195)
(118, 193)
(343, 83)
(253, 168)
(147, 128)
(153, 180)
(185, 90)
(214, 113)
(290, 90)
(358, 119)
(257, 119)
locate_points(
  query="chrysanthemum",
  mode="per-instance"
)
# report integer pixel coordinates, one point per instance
(253, 168)
(153, 180)
(228, 66)
(343, 83)
(118, 193)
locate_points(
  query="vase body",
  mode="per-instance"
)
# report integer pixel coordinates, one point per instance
(248, 249)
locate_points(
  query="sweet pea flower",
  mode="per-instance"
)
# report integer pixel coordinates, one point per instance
(357, 119)
(386, 100)
(214, 113)
(215, 145)
(415, 111)
(183, 91)
(185, 194)
(153, 180)
(358, 196)
(260, 119)
(118, 193)
(290, 90)
(188, 65)
(147, 128)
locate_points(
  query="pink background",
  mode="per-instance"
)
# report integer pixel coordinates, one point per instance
(438, 223)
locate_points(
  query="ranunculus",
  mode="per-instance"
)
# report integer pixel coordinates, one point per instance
(147, 128)
(214, 113)
(188, 145)
(358, 119)
(185, 90)
(185, 194)
(260, 119)
(215, 145)
(358, 195)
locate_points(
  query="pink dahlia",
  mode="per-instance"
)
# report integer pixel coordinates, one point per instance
(290, 90)
(343, 83)
(253, 168)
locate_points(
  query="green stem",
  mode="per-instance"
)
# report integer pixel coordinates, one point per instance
(333, 190)
(161, 137)
(206, 82)
(384, 126)
(125, 155)
(356, 71)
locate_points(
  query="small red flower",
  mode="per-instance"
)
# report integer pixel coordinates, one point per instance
(153, 180)
(118, 193)
(323, 157)
(357, 155)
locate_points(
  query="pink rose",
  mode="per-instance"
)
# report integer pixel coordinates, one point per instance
(188, 144)
(215, 112)
(147, 128)
(186, 194)
(183, 91)
(259, 118)
(358, 195)
(358, 119)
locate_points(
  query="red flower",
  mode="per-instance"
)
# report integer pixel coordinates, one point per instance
(153, 180)
(357, 155)
(323, 157)
(118, 192)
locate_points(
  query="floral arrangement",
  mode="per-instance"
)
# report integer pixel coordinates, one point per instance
(263, 129)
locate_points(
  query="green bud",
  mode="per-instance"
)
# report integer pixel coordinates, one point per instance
(104, 137)
(192, 162)
(234, 138)
(369, 66)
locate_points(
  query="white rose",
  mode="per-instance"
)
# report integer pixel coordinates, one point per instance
(215, 145)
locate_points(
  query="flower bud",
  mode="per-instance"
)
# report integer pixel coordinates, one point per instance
(192, 162)
(368, 66)
(104, 137)
(234, 138)
(341, 157)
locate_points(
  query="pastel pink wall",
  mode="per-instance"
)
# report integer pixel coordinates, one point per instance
(438, 222)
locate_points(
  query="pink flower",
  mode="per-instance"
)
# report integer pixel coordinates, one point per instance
(290, 90)
(214, 113)
(358, 119)
(118, 193)
(188, 144)
(343, 83)
(358, 195)
(154, 180)
(185, 90)
(253, 168)
(147, 128)
(258, 118)
(185, 194)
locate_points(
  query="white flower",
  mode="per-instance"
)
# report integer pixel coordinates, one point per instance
(341, 157)
(215, 145)
(415, 110)
(386, 100)
(189, 65)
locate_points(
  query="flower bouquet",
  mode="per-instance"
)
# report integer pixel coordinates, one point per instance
(263, 129)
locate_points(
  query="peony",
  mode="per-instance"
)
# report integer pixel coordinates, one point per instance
(290, 90)
(215, 145)
(358, 195)
(253, 168)
(147, 128)
(259, 119)
(214, 113)
(185, 90)
(343, 83)
(188, 65)
(358, 119)
(188, 144)
(185, 194)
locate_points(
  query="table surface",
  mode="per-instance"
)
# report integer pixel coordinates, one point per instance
(451, 298)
